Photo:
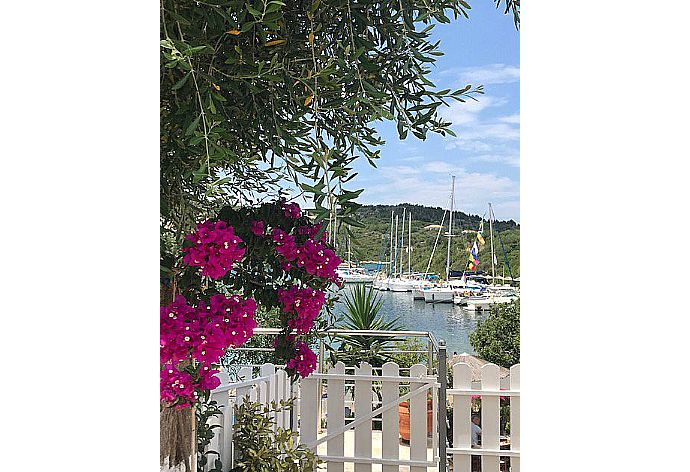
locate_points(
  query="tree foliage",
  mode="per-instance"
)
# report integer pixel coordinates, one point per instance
(256, 94)
(497, 339)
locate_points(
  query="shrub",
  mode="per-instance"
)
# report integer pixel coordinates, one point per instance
(497, 339)
(260, 448)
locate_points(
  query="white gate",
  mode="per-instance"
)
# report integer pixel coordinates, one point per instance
(370, 447)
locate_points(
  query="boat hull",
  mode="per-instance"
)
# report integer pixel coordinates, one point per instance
(438, 296)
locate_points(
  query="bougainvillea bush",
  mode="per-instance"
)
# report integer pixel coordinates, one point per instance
(272, 256)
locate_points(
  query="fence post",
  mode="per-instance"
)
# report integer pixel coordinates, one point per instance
(443, 380)
(321, 369)
(430, 357)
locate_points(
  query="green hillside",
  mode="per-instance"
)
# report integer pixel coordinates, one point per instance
(371, 243)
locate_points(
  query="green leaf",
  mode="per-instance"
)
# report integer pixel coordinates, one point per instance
(193, 125)
(182, 81)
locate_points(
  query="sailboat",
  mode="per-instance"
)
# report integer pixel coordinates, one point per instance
(404, 282)
(382, 279)
(350, 273)
(444, 293)
(491, 294)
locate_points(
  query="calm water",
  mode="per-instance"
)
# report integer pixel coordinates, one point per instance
(447, 321)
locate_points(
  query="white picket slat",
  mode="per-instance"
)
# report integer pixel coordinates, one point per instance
(266, 394)
(462, 410)
(245, 373)
(417, 420)
(294, 392)
(216, 443)
(225, 431)
(308, 422)
(491, 422)
(363, 397)
(335, 447)
(282, 395)
(515, 417)
(226, 437)
(390, 391)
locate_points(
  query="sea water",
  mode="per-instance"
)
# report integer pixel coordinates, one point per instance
(447, 321)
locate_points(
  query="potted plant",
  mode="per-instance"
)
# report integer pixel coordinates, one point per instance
(407, 360)
(404, 418)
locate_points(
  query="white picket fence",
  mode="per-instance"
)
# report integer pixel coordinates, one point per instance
(271, 384)
(352, 388)
(489, 389)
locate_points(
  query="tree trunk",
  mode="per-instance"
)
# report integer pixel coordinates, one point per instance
(177, 427)
(177, 440)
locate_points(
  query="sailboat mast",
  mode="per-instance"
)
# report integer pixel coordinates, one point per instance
(402, 242)
(491, 233)
(395, 258)
(409, 244)
(450, 226)
(349, 251)
(390, 256)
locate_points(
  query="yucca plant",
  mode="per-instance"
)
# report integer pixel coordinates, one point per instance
(362, 312)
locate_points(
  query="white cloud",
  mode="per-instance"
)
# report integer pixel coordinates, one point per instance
(512, 119)
(440, 167)
(462, 113)
(400, 170)
(413, 159)
(512, 160)
(431, 187)
(486, 74)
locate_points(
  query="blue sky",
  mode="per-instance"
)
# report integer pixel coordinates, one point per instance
(485, 155)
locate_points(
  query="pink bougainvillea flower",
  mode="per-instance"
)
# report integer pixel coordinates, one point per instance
(176, 385)
(304, 304)
(304, 361)
(200, 335)
(285, 244)
(257, 227)
(214, 249)
(312, 230)
(317, 259)
(207, 377)
(291, 210)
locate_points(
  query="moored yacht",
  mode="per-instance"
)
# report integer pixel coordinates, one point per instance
(354, 275)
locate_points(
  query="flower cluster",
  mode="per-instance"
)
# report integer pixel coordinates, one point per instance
(200, 334)
(257, 227)
(182, 388)
(291, 210)
(285, 244)
(319, 260)
(214, 249)
(176, 384)
(312, 231)
(304, 361)
(305, 303)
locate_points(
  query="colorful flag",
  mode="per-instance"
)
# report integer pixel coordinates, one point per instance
(480, 238)
(475, 250)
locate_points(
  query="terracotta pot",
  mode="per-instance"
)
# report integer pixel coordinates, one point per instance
(404, 419)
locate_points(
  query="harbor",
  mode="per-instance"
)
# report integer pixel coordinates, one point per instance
(448, 303)
(451, 322)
